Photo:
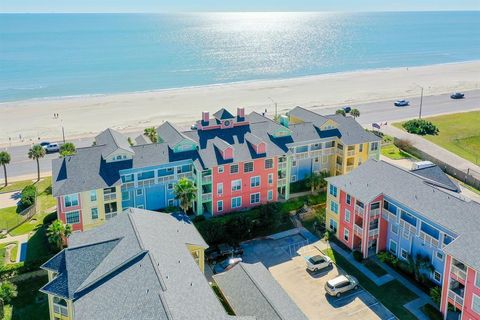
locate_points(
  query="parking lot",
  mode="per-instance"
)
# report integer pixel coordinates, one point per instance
(285, 258)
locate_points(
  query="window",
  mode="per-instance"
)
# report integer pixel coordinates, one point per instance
(394, 228)
(347, 215)
(171, 202)
(60, 306)
(437, 276)
(234, 168)
(447, 239)
(145, 175)
(94, 213)
(255, 181)
(294, 163)
(73, 217)
(408, 218)
(360, 147)
(359, 203)
(333, 190)
(236, 202)
(389, 207)
(270, 178)
(110, 210)
(248, 167)
(71, 200)
(477, 279)
(439, 255)
(236, 185)
(374, 146)
(268, 163)
(109, 194)
(139, 192)
(220, 188)
(375, 205)
(119, 157)
(170, 186)
(349, 199)
(140, 206)
(340, 146)
(393, 247)
(220, 206)
(93, 195)
(294, 178)
(220, 169)
(127, 178)
(333, 225)
(476, 303)
(255, 198)
(334, 206)
(404, 254)
(125, 195)
(346, 234)
(270, 195)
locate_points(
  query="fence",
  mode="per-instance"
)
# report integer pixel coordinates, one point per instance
(470, 177)
(12, 220)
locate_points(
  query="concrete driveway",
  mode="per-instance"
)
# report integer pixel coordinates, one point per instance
(306, 288)
(9, 199)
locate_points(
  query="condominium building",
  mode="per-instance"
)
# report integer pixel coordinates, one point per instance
(414, 214)
(149, 265)
(235, 161)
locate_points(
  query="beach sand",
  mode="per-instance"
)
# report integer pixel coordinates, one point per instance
(86, 116)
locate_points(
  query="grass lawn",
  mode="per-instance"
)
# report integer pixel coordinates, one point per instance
(392, 295)
(393, 152)
(15, 186)
(375, 268)
(458, 133)
(9, 217)
(30, 303)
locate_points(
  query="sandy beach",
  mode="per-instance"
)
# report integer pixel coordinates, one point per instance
(85, 116)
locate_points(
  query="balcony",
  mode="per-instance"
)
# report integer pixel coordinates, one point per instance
(128, 185)
(428, 239)
(373, 232)
(282, 165)
(459, 272)
(374, 212)
(109, 197)
(59, 309)
(350, 167)
(282, 182)
(165, 179)
(339, 167)
(359, 210)
(340, 152)
(206, 197)
(187, 175)
(358, 230)
(350, 153)
(146, 183)
(457, 299)
(207, 179)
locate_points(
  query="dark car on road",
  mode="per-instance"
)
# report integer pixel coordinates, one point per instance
(457, 95)
(401, 103)
(347, 109)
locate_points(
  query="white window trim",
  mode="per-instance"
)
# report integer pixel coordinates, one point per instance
(259, 182)
(91, 213)
(169, 186)
(473, 300)
(349, 216)
(477, 279)
(234, 165)
(254, 194)
(401, 254)
(436, 255)
(346, 232)
(234, 198)
(253, 167)
(93, 192)
(70, 195)
(220, 169)
(433, 276)
(66, 218)
(269, 192)
(390, 245)
(270, 179)
(220, 201)
(391, 228)
(293, 178)
(235, 181)
(139, 194)
(347, 196)
(220, 184)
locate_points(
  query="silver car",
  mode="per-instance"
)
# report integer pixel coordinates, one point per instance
(318, 262)
(341, 284)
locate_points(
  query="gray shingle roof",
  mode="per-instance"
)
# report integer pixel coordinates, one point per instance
(435, 175)
(136, 266)
(449, 210)
(169, 134)
(112, 140)
(351, 132)
(223, 114)
(251, 290)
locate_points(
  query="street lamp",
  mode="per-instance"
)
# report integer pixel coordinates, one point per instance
(275, 106)
(421, 101)
(63, 129)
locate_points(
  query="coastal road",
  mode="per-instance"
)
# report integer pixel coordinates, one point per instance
(21, 167)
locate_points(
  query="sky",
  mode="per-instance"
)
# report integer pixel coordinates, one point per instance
(232, 5)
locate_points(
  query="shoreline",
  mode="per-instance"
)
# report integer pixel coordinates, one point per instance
(241, 82)
(85, 116)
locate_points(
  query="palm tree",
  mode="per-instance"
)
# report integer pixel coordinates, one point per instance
(57, 232)
(341, 111)
(36, 152)
(4, 160)
(151, 133)
(67, 149)
(186, 192)
(355, 113)
(317, 181)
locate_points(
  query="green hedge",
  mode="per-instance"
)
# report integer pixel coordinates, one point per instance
(431, 312)
(10, 270)
(28, 196)
(420, 126)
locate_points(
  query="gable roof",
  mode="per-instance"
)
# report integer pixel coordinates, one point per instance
(445, 208)
(223, 114)
(251, 290)
(436, 176)
(112, 140)
(170, 135)
(127, 269)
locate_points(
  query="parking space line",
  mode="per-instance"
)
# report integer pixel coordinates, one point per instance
(350, 295)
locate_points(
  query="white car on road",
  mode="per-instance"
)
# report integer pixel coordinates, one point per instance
(52, 147)
(318, 262)
(341, 284)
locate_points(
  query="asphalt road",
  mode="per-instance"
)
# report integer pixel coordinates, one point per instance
(384, 111)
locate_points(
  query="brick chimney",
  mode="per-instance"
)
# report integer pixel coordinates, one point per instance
(241, 112)
(205, 116)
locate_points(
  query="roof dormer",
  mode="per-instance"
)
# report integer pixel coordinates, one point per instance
(224, 148)
(256, 143)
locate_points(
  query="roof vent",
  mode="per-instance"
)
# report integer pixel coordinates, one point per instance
(416, 197)
(148, 290)
(191, 284)
(178, 261)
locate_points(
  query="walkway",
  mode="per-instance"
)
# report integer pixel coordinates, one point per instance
(432, 149)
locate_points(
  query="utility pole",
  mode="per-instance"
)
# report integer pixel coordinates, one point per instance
(421, 102)
(275, 107)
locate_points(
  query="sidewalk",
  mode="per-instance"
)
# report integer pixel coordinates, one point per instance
(432, 149)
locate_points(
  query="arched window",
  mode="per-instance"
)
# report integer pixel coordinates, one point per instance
(60, 306)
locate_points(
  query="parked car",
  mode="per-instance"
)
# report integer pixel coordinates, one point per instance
(193, 126)
(318, 262)
(457, 95)
(347, 109)
(223, 251)
(401, 103)
(44, 144)
(226, 265)
(341, 284)
(52, 147)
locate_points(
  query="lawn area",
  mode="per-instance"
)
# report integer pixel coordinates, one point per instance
(9, 217)
(30, 303)
(375, 268)
(392, 295)
(393, 152)
(318, 216)
(15, 186)
(458, 133)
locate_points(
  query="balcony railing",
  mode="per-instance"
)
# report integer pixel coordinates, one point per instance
(282, 182)
(207, 179)
(373, 232)
(59, 309)
(282, 165)
(340, 152)
(128, 185)
(187, 175)
(165, 179)
(301, 155)
(109, 197)
(350, 167)
(206, 197)
(428, 239)
(328, 151)
(459, 273)
(146, 183)
(350, 153)
(339, 167)
(357, 230)
(374, 212)
(455, 297)
(359, 210)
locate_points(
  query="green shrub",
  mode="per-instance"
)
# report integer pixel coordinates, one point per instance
(327, 235)
(28, 196)
(357, 255)
(405, 267)
(436, 294)
(431, 312)
(420, 126)
(49, 218)
(387, 257)
(199, 218)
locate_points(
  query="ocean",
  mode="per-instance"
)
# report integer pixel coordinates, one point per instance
(55, 55)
